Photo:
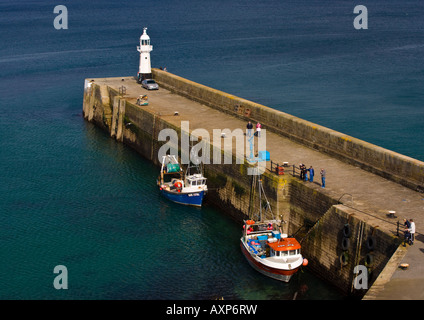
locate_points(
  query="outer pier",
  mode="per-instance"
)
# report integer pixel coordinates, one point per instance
(341, 226)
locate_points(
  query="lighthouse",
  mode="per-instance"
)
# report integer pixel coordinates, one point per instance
(144, 69)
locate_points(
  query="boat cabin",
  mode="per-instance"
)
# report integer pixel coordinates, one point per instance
(284, 247)
(195, 180)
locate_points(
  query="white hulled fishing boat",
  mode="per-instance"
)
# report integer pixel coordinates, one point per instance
(266, 248)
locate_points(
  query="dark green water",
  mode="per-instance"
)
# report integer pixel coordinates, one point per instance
(96, 211)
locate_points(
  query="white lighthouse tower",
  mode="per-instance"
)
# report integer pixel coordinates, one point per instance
(144, 69)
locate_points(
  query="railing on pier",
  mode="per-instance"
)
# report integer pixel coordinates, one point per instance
(279, 169)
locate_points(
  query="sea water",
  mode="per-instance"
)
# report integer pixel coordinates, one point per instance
(71, 196)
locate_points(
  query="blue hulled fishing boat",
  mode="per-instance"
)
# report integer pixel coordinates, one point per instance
(189, 188)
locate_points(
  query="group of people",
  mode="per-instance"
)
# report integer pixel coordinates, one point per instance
(409, 231)
(308, 174)
(250, 127)
(305, 174)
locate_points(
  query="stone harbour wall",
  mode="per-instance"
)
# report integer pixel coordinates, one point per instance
(334, 238)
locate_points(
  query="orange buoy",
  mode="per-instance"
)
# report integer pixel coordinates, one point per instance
(305, 262)
(178, 184)
(250, 222)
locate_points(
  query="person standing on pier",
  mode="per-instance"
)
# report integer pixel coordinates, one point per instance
(311, 174)
(249, 129)
(412, 231)
(407, 234)
(323, 174)
(258, 129)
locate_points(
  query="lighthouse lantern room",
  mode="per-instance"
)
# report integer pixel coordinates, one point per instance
(144, 69)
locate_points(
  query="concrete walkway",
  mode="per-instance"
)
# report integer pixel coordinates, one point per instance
(372, 196)
(395, 283)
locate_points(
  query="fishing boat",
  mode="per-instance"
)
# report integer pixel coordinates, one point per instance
(187, 188)
(266, 248)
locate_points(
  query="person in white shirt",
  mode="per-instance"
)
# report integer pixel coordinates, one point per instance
(412, 230)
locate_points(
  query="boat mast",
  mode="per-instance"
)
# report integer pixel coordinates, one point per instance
(161, 170)
(260, 198)
(252, 202)
(267, 205)
(192, 164)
